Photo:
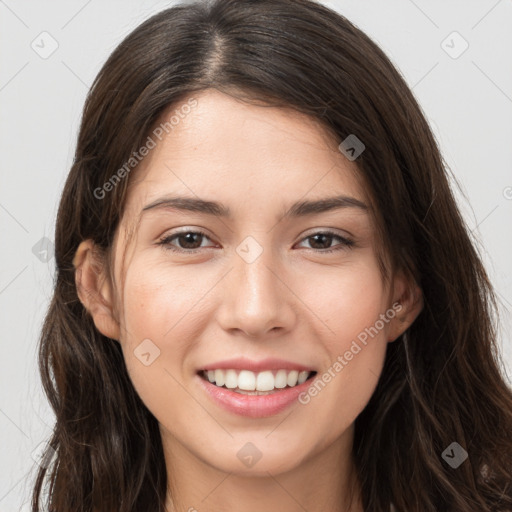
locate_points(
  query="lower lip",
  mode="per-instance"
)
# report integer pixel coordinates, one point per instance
(254, 406)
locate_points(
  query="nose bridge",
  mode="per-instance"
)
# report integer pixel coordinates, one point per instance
(256, 301)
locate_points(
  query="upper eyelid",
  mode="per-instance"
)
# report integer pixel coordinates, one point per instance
(313, 231)
(328, 231)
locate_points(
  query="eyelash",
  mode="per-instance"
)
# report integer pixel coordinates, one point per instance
(166, 242)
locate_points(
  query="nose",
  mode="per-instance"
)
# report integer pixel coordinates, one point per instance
(256, 299)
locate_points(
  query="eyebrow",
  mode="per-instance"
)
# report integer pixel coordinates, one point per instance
(298, 209)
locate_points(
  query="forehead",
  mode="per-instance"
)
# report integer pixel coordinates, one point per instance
(246, 156)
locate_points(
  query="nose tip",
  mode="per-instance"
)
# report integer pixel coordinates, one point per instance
(255, 301)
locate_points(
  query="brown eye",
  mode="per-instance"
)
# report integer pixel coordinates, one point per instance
(189, 240)
(322, 241)
(186, 241)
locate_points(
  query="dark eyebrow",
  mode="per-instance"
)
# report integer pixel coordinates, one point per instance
(298, 209)
(302, 208)
(191, 204)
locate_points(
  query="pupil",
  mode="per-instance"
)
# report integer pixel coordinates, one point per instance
(189, 239)
(315, 238)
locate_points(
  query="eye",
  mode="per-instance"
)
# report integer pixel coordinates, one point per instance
(190, 241)
(324, 238)
(187, 240)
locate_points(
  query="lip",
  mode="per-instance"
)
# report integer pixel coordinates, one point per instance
(253, 406)
(242, 363)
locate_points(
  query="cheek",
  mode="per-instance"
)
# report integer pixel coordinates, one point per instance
(160, 303)
(162, 318)
(345, 299)
(335, 307)
(350, 302)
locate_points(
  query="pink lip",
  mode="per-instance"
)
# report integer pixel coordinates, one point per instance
(254, 406)
(241, 363)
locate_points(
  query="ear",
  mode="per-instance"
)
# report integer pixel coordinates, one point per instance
(408, 303)
(94, 288)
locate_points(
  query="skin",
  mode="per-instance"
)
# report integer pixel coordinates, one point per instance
(293, 302)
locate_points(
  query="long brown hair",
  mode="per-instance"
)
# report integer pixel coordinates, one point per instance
(442, 381)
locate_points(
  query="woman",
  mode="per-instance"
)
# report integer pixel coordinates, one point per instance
(266, 297)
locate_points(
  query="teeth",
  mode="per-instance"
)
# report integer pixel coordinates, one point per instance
(265, 381)
(292, 378)
(303, 377)
(231, 379)
(280, 379)
(247, 382)
(219, 377)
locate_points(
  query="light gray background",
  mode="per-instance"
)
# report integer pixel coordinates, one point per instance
(467, 100)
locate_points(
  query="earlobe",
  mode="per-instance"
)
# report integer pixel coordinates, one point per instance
(94, 289)
(411, 305)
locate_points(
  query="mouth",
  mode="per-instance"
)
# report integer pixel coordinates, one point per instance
(247, 382)
(254, 388)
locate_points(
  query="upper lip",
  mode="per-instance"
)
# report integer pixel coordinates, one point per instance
(242, 363)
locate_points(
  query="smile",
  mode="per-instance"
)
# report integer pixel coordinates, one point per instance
(254, 389)
(251, 383)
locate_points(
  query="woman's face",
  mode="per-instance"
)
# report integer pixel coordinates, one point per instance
(270, 290)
